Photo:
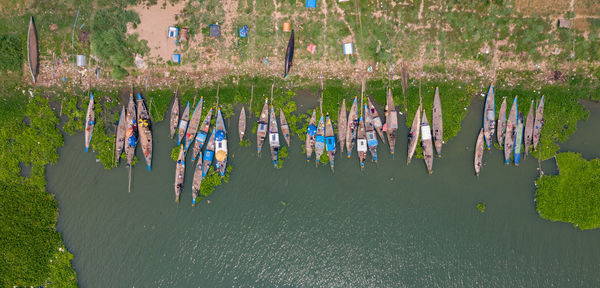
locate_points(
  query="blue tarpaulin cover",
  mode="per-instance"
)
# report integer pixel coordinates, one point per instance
(330, 141)
(312, 130)
(244, 31)
(220, 135)
(132, 140)
(311, 3)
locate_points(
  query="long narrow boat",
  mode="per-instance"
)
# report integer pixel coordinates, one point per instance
(501, 127)
(131, 134)
(197, 181)
(289, 55)
(361, 142)
(342, 125)
(518, 138)
(489, 118)
(375, 119)
(285, 128)
(371, 137)
(174, 120)
(183, 123)
(437, 123)
(220, 144)
(478, 152)
(509, 140)
(242, 124)
(201, 136)
(330, 142)
(33, 50)
(144, 130)
(209, 153)
(90, 122)
(274, 137)
(320, 140)
(263, 123)
(179, 173)
(539, 123)
(413, 135)
(120, 135)
(351, 129)
(311, 133)
(391, 121)
(529, 129)
(426, 143)
(190, 135)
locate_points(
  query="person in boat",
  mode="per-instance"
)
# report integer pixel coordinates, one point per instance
(411, 135)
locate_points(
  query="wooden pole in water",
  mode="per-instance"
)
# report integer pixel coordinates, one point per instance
(129, 185)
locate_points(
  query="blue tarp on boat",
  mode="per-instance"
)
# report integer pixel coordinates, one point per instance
(312, 130)
(220, 135)
(330, 142)
(132, 141)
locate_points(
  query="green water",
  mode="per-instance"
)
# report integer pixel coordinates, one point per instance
(388, 226)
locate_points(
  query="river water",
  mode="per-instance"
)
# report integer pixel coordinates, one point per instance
(391, 225)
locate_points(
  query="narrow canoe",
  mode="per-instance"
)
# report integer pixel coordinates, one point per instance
(501, 128)
(190, 135)
(90, 122)
(289, 55)
(174, 116)
(197, 182)
(342, 125)
(320, 139)
(539, 123)
(144, 130)
(242, 124)
(509, 140)
(426, 143)
(263, 123)
(370, 132)
(311, 132)
(220, 144)
(120, 136)
(529, 128)
(518, 138)
(413, 135)
(201, 136)
(479, 152)
(285, 128)
(209, 153)
(183, 123)
(361, 142)
(330, 142)
(489, 118)
(375, 119)
(351, 128)
(179, 173)
(437, 123)
(33, 50)
(273, 137)
(391, 121)
(131, 132)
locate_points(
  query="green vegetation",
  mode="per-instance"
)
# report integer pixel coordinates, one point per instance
(175, 153)
(573, 195)
(481, 207)
(212, 180)
(11, 55)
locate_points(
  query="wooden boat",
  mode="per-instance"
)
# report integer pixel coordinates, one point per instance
(90, 122)
(197, 182)
(179, 173)
(144, 130)
(285, 128)
(427, 143)
(174, 116)
(404, 77)
(242, 124)
(370, 132)
(529, 128)
(209, 153)
(351, 128)
(289, 55)
(437, 123)
(489, 118)
(342, 125)
(391, 122)
(201, 136)
(263, 123)
(330, 142)
(33, 50)
(274, 137)
(311, 133)
(375, 119)
(479, 152)
(539, 123)
(509, 140)
(220, 144)
(183, 123)
(320, 139)
(413, 134)
(361, 142)
(120, 135)
(518, 139)
(501, 127)
(190, 135)
(131, 133)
